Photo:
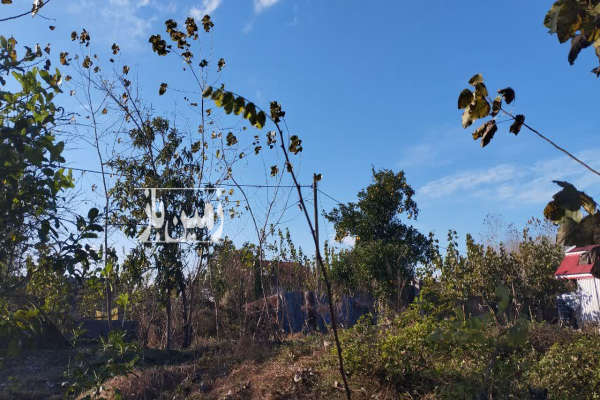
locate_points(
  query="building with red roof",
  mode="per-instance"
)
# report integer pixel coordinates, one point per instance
(582, 264)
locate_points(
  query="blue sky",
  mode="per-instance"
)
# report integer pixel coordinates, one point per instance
(375, 84)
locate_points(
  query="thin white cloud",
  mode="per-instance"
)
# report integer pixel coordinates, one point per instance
(467, 180)
(113, 20)
(261, 5)
(207, 7)
(422, 154)
(516, 184)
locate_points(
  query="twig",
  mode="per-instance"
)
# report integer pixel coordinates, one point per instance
(25, 13)
(553, 144)
(319, 262)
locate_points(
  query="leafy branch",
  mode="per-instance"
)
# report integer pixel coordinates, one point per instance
(239, 105)
(476, 104)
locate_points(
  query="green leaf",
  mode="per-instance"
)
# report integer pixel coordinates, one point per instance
(228, 100)
(238, 105)
(261, 119)
(93, 213)
(503, 295)
(250, 112)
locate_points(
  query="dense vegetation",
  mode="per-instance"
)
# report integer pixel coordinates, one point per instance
(184, 314)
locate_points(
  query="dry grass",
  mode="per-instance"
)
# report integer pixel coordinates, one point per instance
(298, 368)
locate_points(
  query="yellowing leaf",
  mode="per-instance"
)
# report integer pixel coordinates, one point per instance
(489, 132)
(475, 79)
(464, 99)
(508, 94)
(496, 106)
(481, 90)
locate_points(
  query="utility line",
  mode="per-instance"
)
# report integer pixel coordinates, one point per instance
(25, 13)
(203, 184)
(330, 197)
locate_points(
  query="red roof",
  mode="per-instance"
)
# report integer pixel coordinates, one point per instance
(571, 269)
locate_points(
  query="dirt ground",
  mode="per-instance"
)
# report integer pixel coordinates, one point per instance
(299, 368)
(33, 375)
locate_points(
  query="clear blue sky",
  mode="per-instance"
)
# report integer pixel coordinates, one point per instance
(375, 84)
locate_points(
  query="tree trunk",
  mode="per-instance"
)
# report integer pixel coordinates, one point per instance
(185, 317)
(169, 322)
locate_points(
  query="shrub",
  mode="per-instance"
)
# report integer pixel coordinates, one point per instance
(570, 370)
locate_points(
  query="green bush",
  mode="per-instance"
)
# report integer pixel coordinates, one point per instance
(570, 370)
(91, 367)
(421, 356)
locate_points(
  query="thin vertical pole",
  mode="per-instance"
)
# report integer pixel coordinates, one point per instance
(315, 190)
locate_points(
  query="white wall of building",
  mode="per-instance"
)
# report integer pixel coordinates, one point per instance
(588, 291)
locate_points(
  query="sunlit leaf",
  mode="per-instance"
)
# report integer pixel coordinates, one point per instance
(478, 78)
(481, 90)
(489, 132)
(260, 121)
(496, 106)
(480, 109)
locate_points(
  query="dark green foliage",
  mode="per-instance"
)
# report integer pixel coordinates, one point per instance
(526, 271)
(91, 367)
(425, 357)
(570, 370)
(386, 250)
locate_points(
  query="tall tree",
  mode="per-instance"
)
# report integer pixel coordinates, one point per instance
(386, 250)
